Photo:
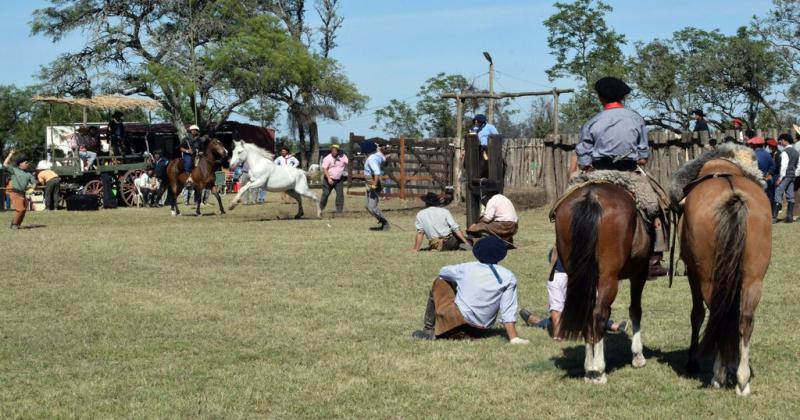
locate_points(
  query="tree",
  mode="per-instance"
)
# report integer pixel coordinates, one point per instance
(780, 27)
(729, 76)
(320, 89)
(397, 119)
(168, 50)
(585, 49)
(15, 110)
(437, 115)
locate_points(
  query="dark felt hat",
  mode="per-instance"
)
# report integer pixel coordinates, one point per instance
(490, 250)
(20, 159)
(489, 185)
(611, 88)
(431, 199)
(368, 147)
(699, 112)
(481, 118)
(117, 114)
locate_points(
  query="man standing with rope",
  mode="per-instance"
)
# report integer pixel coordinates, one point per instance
(373, 171)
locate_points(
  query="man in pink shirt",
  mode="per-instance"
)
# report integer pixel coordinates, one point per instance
(499, 219)
(333, 167)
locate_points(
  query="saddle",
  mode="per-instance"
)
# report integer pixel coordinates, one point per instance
(651, 200)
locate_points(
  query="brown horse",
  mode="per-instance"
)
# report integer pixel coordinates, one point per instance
(601, 239)
(726, 243)
(202, 177)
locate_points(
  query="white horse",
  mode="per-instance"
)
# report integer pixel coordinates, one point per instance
(265, 173)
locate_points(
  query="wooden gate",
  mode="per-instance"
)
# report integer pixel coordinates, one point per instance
(413, 166)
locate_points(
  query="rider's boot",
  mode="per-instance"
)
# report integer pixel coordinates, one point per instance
(775, 210)
(789, 213)
(655, 269)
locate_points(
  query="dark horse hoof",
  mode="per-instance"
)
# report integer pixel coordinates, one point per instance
(298, 216)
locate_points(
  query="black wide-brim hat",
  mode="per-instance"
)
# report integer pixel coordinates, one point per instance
(20, 159)
(611, 88)
(431, 199)
(489, 185)
(490, 250)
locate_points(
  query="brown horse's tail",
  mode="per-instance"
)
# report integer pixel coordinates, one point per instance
(722, 331)
(582, 270)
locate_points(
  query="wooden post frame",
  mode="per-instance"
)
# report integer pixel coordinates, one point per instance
(402, 154)
(495, 151)
(472, 164)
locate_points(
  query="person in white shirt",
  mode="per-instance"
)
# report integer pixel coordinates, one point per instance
(498, 219)
(437, 224)
(466, 298)
(286, 159)
(142, 182)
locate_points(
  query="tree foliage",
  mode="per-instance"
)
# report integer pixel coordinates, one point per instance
(397, 119)
(585, 49)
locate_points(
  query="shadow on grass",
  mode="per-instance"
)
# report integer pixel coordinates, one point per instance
(617, 350)
(25, 227)
(677, 360)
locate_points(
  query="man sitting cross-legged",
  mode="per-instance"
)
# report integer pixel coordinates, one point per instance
(437, 224)
(466, 298)
(498, 219)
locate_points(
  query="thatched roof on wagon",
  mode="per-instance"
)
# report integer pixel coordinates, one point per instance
(105, 102)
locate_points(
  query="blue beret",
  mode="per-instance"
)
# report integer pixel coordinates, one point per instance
(611, 88)
(490, 250)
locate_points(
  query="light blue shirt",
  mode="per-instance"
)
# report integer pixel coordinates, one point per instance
(374, 164)
(480, 295)
(485, 132)
(617, 132)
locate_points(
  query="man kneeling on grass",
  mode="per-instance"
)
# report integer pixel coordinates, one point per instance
(439, 226)
(466, 298)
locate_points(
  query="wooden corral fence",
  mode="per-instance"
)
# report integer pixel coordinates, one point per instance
(413, 166)
(545, 162)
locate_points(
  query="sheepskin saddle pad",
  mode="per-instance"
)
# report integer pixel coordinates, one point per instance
(637, 184)
(743, 157)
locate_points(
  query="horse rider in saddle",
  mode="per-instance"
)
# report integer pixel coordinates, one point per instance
(616, 139)
(191, 150)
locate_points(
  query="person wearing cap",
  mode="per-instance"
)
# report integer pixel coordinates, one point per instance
(116, 133)
(85, 144)
(437, 224)
(189, 148)
(483, 129)
(786, 175)
(499, 217)
(700, 123)
(616, 139)
(373, 171)
(20, 180)
(333, 166)
(465, 299)
(51, 182)
(765, 164)
(286, 158)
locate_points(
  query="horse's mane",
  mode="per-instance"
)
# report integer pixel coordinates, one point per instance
(742, 156)
(262, 152)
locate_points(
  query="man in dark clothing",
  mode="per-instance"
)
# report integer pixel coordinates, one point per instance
(189, 147)
(765, 164)
(786, 176)
(699, 120)
(116, 133)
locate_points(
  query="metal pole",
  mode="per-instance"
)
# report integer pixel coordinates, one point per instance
(490, 112)
(555, 111)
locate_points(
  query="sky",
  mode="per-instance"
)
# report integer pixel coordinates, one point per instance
(388, 49)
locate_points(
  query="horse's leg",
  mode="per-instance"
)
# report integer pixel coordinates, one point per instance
(215, 191)
(720, 372)
(588, 361)
(294, 194)
(606, 293)
(198, 198)
(241, 192)
(303, 190)
(698, 314)
(751, 294)
(635, 313)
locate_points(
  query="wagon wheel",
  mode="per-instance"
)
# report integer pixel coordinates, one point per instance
(94, 186)
(127, 186)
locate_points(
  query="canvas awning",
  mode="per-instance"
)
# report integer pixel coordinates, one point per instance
(105, 102)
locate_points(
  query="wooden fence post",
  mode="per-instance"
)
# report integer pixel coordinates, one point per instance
(402, 167)
(495, 151)
(472, 156)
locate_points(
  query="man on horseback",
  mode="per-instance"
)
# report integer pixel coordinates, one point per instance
(190, 146)
(616, 139)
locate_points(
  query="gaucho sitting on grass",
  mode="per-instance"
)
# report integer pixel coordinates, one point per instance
(466, 298)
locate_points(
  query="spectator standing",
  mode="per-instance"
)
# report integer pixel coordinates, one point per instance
(20, 181)
(143, 183)
(116, 134)
(765, 164)
(437, 224)
(286, 158)
(373, 171)
(51, 182)
(700, 123)
(786, 177)
(333, 167)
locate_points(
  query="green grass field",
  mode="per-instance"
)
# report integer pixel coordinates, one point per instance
(134, 313)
